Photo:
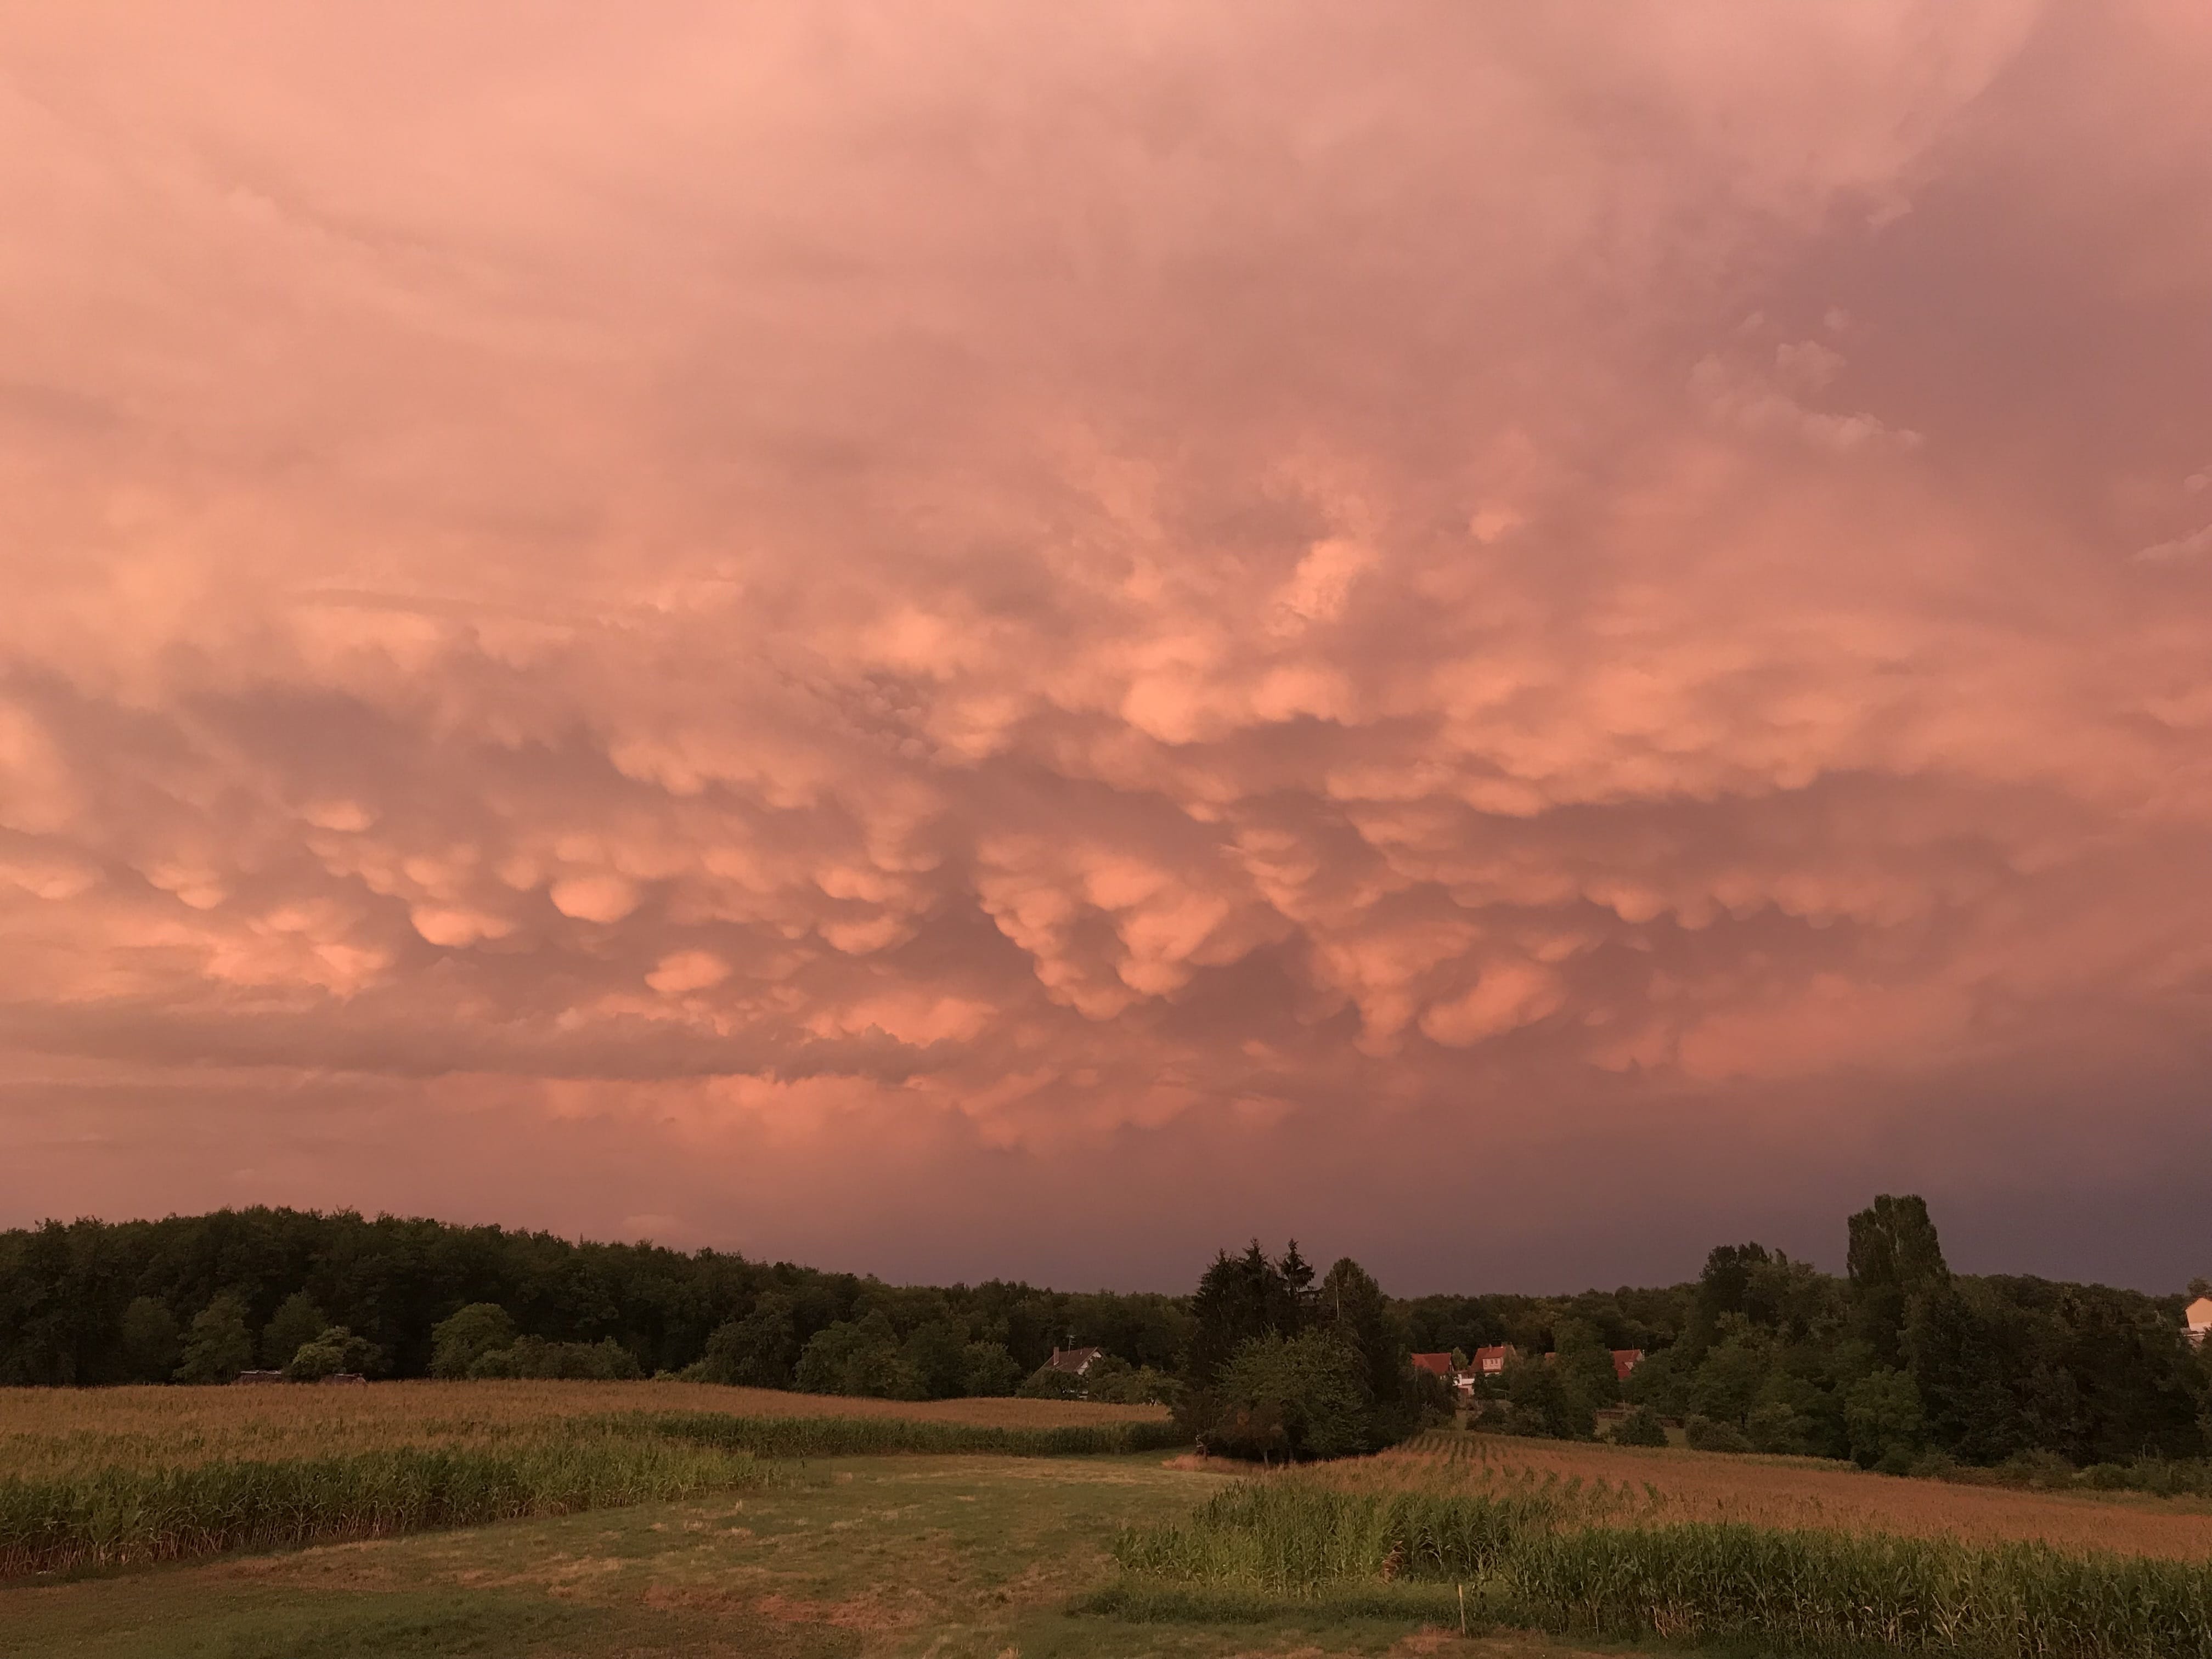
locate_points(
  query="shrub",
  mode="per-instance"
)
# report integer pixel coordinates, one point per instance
(336, 1350)
(1705, 1435)
(1776, 1427)
(535, 1358)
(457, 1341)
(1110, 1380)
(1641, 1427)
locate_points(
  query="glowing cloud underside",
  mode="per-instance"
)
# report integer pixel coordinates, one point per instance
(1030, 639)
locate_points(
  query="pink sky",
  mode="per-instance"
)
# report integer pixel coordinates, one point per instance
(1000, 639)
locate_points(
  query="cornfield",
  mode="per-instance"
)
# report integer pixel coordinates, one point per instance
(134, 1516)
(866, 1437)
(1792, 1494)
(1598, 1558)
(256, 1468)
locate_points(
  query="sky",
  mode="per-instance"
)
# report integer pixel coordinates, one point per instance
(990, 639)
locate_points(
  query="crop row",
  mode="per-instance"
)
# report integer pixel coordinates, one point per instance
(134, 1516)
(137, 1513)
(864, 1437)
(1532, 1559)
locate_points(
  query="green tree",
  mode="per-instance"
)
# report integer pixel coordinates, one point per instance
(337, 1351)
(987, 1370)
(149, 1340)
(1351, 1304)
(217, 1347)
(757, 1351)
(1662, 1381)
(1239, 1297)
(464, 1337)
(860, 1357)
(1543, 1403)
(1734, 1369)
(936, 1353)
(1585, 1362)
(1882, 1415)
(1724, 1288)
(296, 1322)
(1895, 1256)
(1303, 1396)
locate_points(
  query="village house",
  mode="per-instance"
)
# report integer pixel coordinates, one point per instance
(2199, 1315)
(1436, 1364)
(1074, 1362)
(1492, 1362)
(1626, 1360)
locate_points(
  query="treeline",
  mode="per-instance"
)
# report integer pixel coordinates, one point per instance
(1900, 1365)
(92, 1301)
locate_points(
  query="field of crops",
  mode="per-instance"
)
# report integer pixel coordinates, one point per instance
(1674, 1545)
(1793, 1493)
(59, 1432)
(129, 1477)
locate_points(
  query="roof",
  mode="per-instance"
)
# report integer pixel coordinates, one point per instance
(1501, 1353)
(2200, 1311)
(1074, 1361)
(1626, 1360)
(1437, 1364)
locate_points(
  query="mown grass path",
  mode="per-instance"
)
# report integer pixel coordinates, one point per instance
(949, 1557)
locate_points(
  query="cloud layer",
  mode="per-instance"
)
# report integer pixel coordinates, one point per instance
(855, 634)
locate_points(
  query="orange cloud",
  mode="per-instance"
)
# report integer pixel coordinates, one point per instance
(1165, 598)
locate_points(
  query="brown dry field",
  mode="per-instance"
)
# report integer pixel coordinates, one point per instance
(56, 1432)
(1650, 1484)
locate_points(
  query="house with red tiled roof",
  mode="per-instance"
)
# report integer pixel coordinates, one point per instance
(2199, 1315)
(1436, 1364)
(1626, 1360)
(1074, 1362)
(1491, 1362)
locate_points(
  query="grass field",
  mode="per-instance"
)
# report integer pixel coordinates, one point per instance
(278, 1468)
(740, 1548)
(891, 1558)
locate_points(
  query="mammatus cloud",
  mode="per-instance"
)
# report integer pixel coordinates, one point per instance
(816, 630)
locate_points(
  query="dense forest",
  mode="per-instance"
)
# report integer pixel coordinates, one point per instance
(1895, 1363)
(92, 1301)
